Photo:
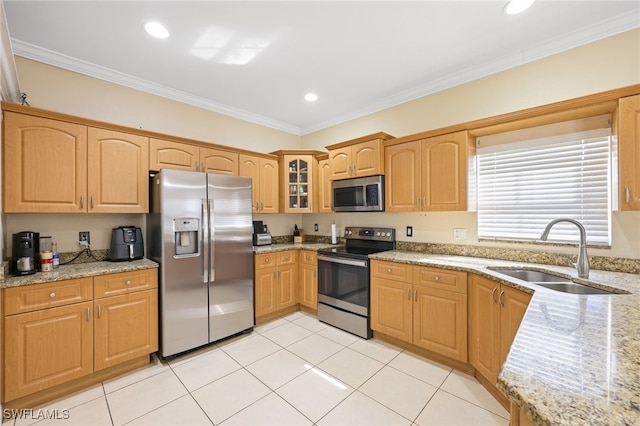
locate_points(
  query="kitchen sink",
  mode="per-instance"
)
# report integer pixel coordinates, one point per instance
(574, 288)
(552, 281)
(531, 276)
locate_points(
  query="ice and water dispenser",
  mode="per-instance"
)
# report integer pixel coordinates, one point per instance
(185, 234)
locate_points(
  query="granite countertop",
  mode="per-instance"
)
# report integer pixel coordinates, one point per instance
(282, 247)
(80, 270)
(576, 358)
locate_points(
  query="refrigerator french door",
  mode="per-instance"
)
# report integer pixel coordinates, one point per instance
(200, 231)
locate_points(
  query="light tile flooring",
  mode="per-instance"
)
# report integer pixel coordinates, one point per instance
(292, 371)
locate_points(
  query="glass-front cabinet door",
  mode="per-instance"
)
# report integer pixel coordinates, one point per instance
(299, 183)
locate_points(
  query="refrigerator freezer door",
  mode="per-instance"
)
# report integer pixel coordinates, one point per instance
(231, 284)
(183, 286)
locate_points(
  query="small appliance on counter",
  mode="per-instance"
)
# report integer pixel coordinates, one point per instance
(261, 234)
(126, 244)
(25, 253)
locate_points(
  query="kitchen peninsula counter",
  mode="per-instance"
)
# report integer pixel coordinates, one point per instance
(576, 358)
(80, 270)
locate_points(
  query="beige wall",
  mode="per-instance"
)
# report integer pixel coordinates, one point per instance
(604, 65)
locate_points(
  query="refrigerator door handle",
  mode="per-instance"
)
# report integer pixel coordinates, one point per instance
(204, 240)
(212, 242)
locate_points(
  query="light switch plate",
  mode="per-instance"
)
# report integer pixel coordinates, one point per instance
(459, 233)
(409, 231)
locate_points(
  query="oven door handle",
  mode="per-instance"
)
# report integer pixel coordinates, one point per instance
(360, 263)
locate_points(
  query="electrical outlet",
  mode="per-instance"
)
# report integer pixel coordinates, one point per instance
(83, 238)
(409, 231)
(315, 227)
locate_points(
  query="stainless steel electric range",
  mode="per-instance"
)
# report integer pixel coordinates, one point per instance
(343, 278)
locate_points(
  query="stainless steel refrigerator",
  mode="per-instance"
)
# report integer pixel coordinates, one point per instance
(200, 231)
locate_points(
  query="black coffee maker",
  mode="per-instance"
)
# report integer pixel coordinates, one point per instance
(25, 258)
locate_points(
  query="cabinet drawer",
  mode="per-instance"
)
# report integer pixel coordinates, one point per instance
(440, 278)
(287, 257)
(309, 257)
(391, 270)
(41, 296)
(124, 282)
(265, 260)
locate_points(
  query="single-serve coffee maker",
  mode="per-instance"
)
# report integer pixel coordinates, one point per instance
(25, 258)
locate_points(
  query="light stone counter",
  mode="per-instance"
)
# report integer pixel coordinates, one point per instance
(81, 270)
(282, 247)
(576, 358)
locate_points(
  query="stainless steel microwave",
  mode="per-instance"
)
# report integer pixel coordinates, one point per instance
(365, 194)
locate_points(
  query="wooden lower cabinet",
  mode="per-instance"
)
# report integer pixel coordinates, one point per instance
(125, 328)
(46, 348)
(308, 279)
(496, 312)
(275, 281)
(57, 332)
(419, 305)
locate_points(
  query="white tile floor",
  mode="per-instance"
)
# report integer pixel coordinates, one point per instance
(291, 371)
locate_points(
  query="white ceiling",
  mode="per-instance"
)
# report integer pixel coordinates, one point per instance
(359, 56)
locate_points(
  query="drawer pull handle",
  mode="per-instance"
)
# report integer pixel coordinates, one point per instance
(128, 282)
(436, 278)
(388, 270)
(267, 260)
(52, 294)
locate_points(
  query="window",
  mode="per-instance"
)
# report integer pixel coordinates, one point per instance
(524, 182)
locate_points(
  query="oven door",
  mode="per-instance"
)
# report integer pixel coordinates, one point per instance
(344, 283)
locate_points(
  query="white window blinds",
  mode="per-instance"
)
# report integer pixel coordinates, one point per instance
(524, 185)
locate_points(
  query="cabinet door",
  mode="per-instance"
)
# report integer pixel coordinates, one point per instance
(402, 179)
(265, 291)
(118, 167)
(48, 347)
(485, 327)
(308, 289)
(513, 305)
(269, 184)
(172, 155)
(250, 167)
(298, 183)
(391, 308)
(444, 172)
(125, 327)
(368, 158)
(286, 292)
(323, 205)
(340, 160)
(440, 322)
(629, 152)
(45, 165)
(218, 161)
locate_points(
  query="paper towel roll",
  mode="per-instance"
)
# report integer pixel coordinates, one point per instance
(334, 237)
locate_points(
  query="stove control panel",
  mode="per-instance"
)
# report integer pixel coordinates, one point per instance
(374, 234)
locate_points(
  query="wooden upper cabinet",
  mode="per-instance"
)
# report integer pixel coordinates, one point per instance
(118, 172)
(265, 180)
(444, 172)
(218, 161)
(429, 174)
(54, 166)
(172, 155)
(359, 157)
(629, 152)
(402, 179)
(323, 192)
(45, 165)
(298, 182)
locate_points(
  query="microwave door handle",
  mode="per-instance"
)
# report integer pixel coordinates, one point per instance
(204, 240)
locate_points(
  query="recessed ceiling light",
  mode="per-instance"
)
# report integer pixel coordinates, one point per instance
(310, 97)
(517, 6)
(156, 29)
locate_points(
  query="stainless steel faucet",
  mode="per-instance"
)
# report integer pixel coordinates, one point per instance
(582, 264)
